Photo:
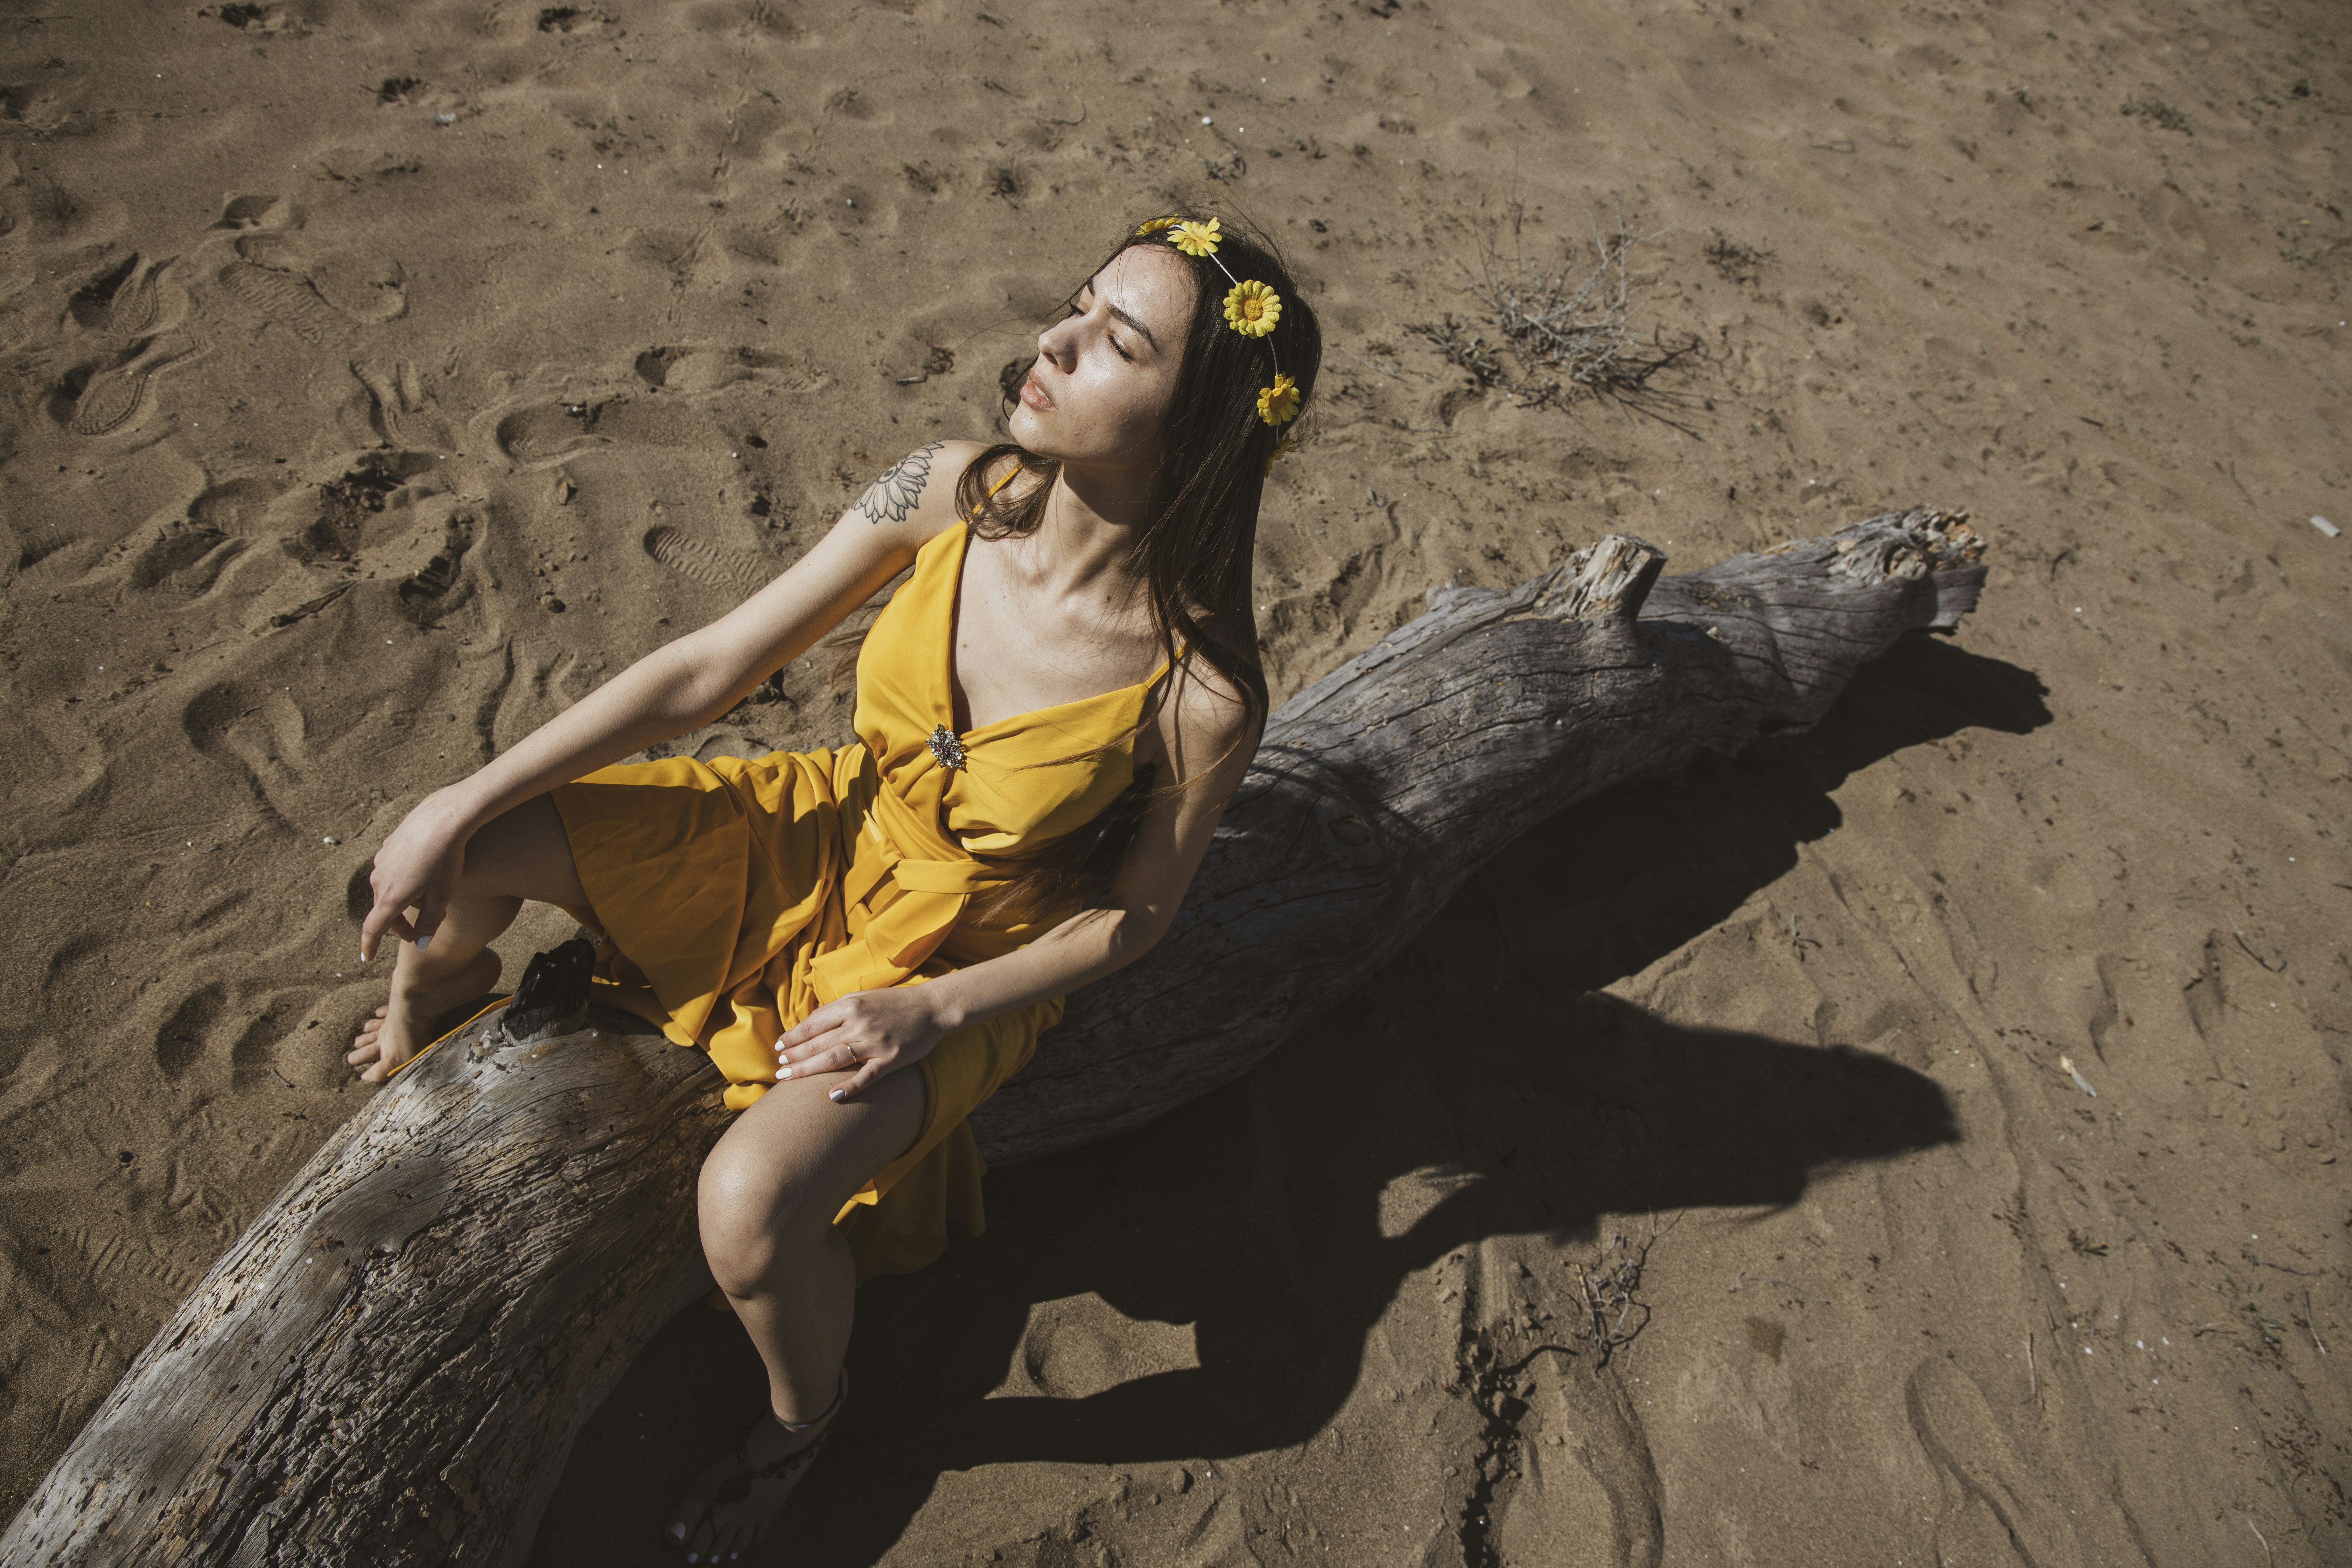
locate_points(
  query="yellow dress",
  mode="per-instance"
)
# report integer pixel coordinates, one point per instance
(737, 897)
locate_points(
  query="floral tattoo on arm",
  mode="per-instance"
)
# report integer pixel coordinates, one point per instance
(894, 495)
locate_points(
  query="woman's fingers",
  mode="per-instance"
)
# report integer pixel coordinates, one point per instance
(382, 921)
(805, 1038)
(867, 1073)
(825, 1019)
(818, 1060)
(428, 919)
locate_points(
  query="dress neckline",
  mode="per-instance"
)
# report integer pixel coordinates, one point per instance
(947, 656)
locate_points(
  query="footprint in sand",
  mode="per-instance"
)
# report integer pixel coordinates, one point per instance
(180, 1044)
(550, 431)
(288, 301)
(690, 557)
(1997, 1506)
(237, 506)
(222, 522)
(401, 410)
(112, 397)
(699, 371)
(423, 589)
(367, 291)
(263, 746)
(259, 212)
(124, 302)
(320, 295)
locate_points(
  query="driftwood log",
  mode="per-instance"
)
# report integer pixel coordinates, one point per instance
(390, 1365)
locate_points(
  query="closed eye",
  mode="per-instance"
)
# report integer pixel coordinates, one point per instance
(1109, 338)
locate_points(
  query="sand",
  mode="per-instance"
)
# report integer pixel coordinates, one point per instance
(381, 378)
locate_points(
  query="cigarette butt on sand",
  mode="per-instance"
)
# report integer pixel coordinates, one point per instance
(2325, 527)
(2080, 1082)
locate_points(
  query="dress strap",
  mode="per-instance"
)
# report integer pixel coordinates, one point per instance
(1012, 474)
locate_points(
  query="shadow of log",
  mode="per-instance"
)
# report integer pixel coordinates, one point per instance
(1481, 1067)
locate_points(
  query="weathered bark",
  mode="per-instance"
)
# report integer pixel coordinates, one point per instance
(391, 1364)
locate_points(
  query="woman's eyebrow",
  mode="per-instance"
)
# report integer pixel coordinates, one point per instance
(1124, 315)
(1130, 319)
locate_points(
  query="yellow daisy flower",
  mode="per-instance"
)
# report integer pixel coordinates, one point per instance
(1196, 239)
(1253, 309)
(1278, 404)
(1156, 224)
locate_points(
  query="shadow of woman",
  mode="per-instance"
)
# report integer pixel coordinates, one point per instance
(1210, 1285)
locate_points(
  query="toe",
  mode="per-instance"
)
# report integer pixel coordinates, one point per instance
(699, 1543)
(690, 1525)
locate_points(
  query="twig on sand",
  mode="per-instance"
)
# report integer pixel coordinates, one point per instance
(2260, 1537)
(2249, 1254)
(309, 606)
(1360, 360)
(1614, 1313)
(1523, 1362)
(2032, 1373)
(2277, 968)
(2311, 1321)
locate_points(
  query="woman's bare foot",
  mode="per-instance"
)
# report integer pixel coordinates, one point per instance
(401, 1027)
(731, 1504)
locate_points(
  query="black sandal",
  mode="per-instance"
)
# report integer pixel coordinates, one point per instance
(736, 1488)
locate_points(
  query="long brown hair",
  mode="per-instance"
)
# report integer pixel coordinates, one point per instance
(1198, 542)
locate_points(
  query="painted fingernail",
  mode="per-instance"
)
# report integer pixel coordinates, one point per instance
(782, 1073)
(677, 1533)
(838, 1095)
(422, 942)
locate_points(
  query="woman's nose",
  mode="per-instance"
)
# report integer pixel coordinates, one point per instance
(1058, 342)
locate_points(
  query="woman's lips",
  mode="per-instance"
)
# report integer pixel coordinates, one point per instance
(1034, 396)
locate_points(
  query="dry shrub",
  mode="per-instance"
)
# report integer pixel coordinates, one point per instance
(1561, 327)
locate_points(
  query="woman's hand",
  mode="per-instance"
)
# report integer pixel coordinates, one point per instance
(869, 1033)
(417, 869)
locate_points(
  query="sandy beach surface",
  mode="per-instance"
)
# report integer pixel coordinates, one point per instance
(1967, 1076)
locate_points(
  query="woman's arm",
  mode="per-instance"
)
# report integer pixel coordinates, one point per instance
(678, 687)
(878, 1032)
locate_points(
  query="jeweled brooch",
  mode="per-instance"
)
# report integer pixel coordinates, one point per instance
(946, 747)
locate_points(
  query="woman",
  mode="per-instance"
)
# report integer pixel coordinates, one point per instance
(1077, 627)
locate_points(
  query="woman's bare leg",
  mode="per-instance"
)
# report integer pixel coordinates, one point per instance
(768, 1195)
(522, 855)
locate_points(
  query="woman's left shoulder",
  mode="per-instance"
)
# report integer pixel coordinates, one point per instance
(1207, 716)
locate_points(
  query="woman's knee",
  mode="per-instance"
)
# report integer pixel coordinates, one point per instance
(756, 1215)
(525, 853)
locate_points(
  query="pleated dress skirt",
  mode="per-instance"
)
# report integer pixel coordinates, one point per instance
(733, 898)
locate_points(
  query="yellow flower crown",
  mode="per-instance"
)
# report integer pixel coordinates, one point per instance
(1252, 309)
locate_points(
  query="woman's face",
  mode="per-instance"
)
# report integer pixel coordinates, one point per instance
(1106, 373)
